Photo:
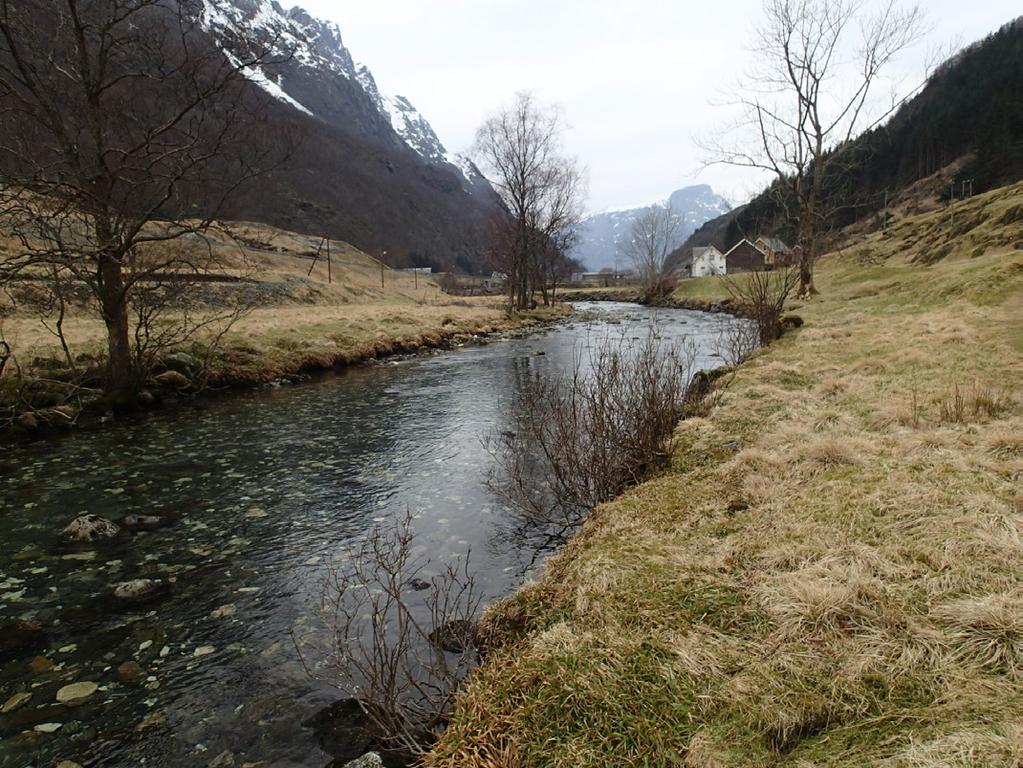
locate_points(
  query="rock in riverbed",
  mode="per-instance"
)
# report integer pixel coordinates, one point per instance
(131, 673)
(76, 692)
(143, 522)
(89, 528)
(140, 590)
(15, 701)
(21, 637)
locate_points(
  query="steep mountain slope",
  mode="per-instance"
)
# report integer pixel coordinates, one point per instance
(601, 235)
(368, 167)
(966, 124)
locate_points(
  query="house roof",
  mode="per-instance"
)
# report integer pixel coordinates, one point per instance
(775, 244)
(738, 244)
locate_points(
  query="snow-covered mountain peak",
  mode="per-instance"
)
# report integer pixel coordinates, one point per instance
(310, 54)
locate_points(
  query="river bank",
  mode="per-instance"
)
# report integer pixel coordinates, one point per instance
(269, 345)
(829, 574)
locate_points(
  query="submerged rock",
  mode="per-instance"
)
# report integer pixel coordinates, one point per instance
(131, 673)
(455, 636)
(140, 590)
(15, 701)
(342, 730)
(143, 522)
(89, 528)
(419, 584)
(21, 637)
(76, 692)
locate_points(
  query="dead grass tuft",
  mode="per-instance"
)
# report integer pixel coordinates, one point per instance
(986, 630)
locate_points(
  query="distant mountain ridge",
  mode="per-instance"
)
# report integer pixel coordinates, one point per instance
(370, 169)
(602, 235)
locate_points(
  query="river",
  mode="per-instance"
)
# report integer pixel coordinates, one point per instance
(262, 489)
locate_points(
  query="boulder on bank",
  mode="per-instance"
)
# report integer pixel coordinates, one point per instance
(61, 416)
(27, 422)
(182, 362)
(173, 380)
(89, 528)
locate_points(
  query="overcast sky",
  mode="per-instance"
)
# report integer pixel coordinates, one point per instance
(636, 80)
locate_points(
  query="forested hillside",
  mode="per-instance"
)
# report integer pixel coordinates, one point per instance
(966, 124)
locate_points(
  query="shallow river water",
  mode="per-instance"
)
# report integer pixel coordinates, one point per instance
(264, 489)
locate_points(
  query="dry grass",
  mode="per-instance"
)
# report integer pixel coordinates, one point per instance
(829, 575)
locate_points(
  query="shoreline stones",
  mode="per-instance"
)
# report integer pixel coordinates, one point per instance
(173, 380)
(89, 528)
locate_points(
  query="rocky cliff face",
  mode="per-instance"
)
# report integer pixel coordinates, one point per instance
(602, 235)
(369, 168)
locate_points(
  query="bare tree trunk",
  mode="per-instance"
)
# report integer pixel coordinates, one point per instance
(807, 256)
(121, 384)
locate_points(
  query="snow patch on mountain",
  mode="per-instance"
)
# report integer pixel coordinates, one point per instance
(297, 38)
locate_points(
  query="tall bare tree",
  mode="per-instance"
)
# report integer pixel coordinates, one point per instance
(520, 151)
(651, 240)
(123, 130)
(818, 64)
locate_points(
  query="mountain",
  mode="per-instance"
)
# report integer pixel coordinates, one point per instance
(368, 168)
(965, 124)
(600, 235)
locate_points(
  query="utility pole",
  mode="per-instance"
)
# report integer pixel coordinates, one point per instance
(952, 203)
(329, 279)
(383, 255)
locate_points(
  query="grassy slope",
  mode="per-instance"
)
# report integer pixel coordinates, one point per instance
(831, 572)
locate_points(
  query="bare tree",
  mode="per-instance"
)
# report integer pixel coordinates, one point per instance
(520, 150)
(649, 245)
(581, 439)
(761, 297)
(818, 63)
(122, 130)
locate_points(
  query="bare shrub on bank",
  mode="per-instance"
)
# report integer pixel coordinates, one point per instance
(761, 296)
(402, 644)
(585, 437)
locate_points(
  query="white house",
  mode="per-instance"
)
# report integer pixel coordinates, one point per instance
(706, 261)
